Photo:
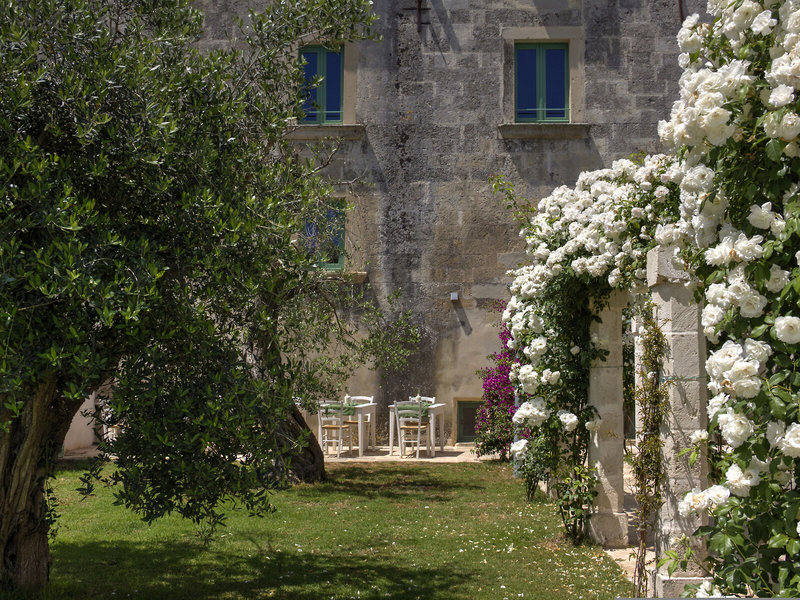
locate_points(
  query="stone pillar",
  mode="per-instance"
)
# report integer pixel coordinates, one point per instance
(679, 318)
(609, 524)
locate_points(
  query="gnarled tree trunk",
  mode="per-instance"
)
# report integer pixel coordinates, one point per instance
(308, 465)
(26, 460)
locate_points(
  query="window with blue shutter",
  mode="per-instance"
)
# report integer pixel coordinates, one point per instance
(323, 101)
(325, 241)
(541, 78)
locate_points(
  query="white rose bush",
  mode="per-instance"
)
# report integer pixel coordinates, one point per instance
(728, 201)
(735, 132)
(583, 242)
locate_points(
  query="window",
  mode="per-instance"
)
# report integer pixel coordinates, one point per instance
(325, 241)
(324, 102)
(541, 82)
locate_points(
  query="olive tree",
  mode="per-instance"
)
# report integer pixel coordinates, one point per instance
(149, 214)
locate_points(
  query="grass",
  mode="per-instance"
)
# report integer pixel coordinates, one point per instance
(374, 530)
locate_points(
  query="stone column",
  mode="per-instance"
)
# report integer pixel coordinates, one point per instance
(609, 524)
(679, 318)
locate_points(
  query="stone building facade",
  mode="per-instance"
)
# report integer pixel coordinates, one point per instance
(428, 116)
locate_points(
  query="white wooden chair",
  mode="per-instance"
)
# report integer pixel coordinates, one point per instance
(332, 427)
(367, 419)
(413, 426)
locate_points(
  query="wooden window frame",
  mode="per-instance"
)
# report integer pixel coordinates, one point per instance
(541, 81)
(321, 100)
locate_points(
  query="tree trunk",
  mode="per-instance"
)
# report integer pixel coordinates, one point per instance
(27, 450)
(308, 465)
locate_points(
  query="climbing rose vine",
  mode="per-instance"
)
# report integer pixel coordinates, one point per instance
(583, 242)
(735, 130)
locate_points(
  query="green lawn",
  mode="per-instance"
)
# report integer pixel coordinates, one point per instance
(374, 530)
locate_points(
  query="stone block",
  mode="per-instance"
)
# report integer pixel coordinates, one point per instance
(660, 268)
(673, 587)
(685, 360)
(609, 529)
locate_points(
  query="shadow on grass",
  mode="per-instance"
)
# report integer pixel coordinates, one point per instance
(408, 482)
(175, 571)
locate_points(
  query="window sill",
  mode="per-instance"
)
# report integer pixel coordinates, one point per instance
(319, 132)
(544, 131)
(354, 277)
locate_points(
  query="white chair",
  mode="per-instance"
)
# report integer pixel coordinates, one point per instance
(412, 424)
(332, 427)
(367, 419)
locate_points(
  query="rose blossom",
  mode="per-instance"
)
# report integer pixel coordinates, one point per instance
(518, 448)
(787, 329)
(790, 443)
(736, 428)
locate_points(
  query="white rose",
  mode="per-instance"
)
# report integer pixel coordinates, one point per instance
(716, 404)
(781, 96)
(747, 388)
(789, 127)
(518, 448)
(735, 428)
(778, 278)
(718, 295)
(693, 502)
(763, 24)
(751, 306)
(717, 494)
(761, 216)
(775, 432)
(742, 369)
(748, 249)
(738, 483)
(787, 329)
(758, 351)
(712, 314)
(790, 443)
(568, 420)
(594, 424)
(701, 435)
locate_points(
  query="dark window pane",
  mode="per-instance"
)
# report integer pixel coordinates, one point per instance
(526, 83)
(310, 71)
(555, 84)
(333, 86)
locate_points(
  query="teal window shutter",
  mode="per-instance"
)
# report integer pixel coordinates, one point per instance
(541, 83)
(325, 68)
(325, 241)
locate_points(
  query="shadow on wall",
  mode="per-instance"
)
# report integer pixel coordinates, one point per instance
(461, 316)
(546, 164)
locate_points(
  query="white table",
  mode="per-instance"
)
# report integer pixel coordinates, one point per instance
(434, 411)
(359, 411)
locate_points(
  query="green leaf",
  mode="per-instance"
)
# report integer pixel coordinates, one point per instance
(774, 150)
(778, 541)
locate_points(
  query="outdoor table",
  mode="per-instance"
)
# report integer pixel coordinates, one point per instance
(359, 411)
(434, 411)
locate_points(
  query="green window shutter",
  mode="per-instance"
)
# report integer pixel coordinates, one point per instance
(324, 101)
(325, 241)
(541, 83)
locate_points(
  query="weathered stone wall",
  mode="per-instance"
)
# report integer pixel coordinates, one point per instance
(430, 102)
